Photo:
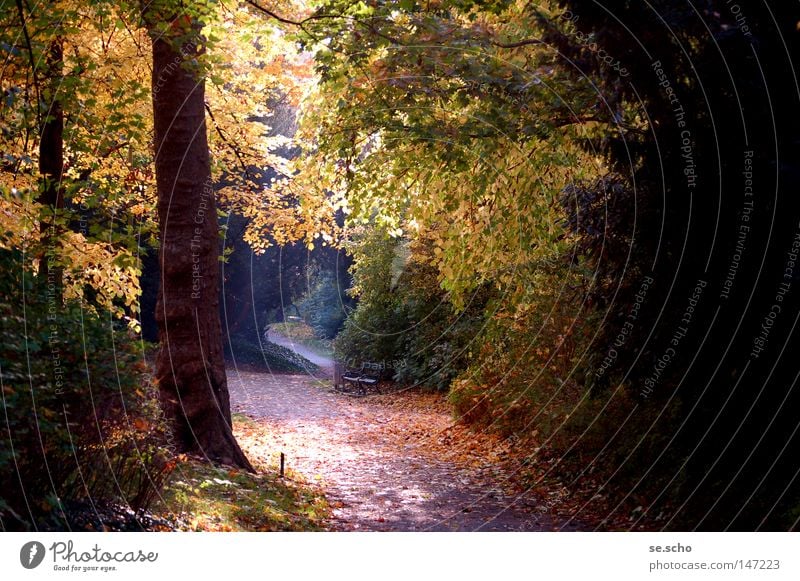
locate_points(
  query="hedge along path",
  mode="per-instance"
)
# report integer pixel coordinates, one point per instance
(386, 462)
(325, 364)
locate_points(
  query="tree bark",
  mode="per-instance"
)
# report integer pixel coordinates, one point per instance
(190, 368)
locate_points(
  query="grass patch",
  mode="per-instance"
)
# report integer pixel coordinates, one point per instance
(201, 497)
(296, 330)
(321, 383)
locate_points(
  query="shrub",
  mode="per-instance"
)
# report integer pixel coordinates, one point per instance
(322, 306)
(532, 383)
(405, 320)
(80, 418)
(438, 341)
(268, 356)
(371, 330)
(370, 333)
(528, 374)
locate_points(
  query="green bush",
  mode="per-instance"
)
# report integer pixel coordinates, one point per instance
(80, 418)
(405, 320)
(371, 330)
(322, 305)
(438, 341)
(370, 333)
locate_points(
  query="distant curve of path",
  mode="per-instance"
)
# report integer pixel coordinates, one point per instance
(370, 459)
(325, 363)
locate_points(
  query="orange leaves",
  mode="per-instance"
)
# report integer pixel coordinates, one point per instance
(141, 424)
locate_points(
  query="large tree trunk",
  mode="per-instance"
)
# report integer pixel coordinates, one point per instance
(190, 368)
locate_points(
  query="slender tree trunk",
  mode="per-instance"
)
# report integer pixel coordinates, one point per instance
(190, 368)
(51, 167)
(51, 144)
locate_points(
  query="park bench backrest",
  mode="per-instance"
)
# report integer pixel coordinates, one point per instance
(372, 369)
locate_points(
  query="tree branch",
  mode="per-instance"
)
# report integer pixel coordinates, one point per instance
(273, 15)
(227, 142)
(28, 43)
(517, 44)
(87, 172)
(285, 20)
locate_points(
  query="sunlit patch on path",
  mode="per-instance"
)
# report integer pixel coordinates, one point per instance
(386, 463)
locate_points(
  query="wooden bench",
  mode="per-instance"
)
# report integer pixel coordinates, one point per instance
(363, 378)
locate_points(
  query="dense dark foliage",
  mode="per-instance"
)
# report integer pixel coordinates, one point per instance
(703, 204)
(74, 428)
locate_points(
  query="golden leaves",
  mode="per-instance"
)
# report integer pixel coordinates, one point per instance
(99, 264)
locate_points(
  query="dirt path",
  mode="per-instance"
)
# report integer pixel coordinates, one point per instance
(386, 462)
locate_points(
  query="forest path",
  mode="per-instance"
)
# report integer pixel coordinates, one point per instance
(385, 462)
(325, 363)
